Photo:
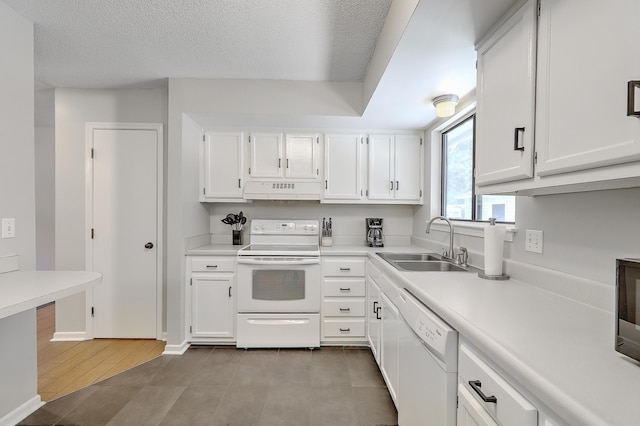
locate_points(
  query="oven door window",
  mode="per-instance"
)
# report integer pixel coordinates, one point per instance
(280, 285)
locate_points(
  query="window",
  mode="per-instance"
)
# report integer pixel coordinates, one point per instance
(459, 200)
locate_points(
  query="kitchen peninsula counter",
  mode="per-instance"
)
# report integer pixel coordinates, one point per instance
(21, 292)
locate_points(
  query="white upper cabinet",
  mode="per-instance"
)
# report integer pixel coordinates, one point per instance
(408, 167)
(587, 57)
(222, 164)
(584, 138)
(506, 96)
(301, 156)
(266, 155)
(274, 155)
(342, 167)
(395, 168)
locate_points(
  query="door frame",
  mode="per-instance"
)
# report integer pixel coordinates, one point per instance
(90, 127)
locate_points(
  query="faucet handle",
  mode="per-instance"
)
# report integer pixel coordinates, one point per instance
(463, 256)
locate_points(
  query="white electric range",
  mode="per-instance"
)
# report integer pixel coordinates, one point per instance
(279, 285)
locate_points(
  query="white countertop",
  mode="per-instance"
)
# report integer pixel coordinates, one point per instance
(215, 250)
(558, 349)
(24, 290)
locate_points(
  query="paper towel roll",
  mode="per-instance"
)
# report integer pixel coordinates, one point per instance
(493, 248)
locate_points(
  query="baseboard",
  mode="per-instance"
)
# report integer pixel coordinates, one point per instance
(69, 336)
(17, 415)
(176, 349)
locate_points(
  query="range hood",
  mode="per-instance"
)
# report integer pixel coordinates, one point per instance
(282, 189)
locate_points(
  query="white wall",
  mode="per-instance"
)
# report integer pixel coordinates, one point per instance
(18, 364)
(74, 108)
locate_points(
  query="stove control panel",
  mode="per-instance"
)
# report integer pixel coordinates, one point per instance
(284, 227)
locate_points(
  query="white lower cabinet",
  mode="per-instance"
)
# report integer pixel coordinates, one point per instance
(373, 314)
(389, 344)
(344, 300)
(212, 313)
(485, 397)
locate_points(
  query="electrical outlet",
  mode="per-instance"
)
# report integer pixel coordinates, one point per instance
(533, 241)
(8, 227)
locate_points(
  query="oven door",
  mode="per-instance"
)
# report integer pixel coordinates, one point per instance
(272, 284)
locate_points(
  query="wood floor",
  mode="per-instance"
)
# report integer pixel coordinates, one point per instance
(64, 367)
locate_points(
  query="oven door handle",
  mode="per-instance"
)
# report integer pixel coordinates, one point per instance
(276, 261)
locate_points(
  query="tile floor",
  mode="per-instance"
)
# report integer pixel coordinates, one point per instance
(229, 386)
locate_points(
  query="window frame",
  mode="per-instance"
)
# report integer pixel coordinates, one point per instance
(461, 120)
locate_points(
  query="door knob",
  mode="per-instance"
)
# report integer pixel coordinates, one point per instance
(148, 246)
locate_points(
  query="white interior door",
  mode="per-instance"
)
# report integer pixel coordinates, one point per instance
(125, 237)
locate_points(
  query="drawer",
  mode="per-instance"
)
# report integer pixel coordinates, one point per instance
(213, 264)
(509, 406)
(351, 307)
(344, 287)
(344, 267)
(343, 327)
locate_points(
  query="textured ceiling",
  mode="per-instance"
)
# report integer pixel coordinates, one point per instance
(141, 43)
(119, 43)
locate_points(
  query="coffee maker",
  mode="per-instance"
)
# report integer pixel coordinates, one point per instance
(374, 232)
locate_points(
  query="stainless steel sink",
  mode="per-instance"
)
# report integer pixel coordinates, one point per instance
(423, 262)
(410, 256)
(427, 266)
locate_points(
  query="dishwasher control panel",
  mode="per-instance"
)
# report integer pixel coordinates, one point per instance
(430, 332)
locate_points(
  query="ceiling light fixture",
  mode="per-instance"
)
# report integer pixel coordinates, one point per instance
(445, 105)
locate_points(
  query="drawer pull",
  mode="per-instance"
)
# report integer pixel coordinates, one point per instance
(345, 269)
(345, 330)
(345, 309)
(212, 266)
(345, 289)
(475, 385)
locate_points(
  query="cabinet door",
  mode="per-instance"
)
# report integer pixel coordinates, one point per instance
(222, 166)
(587, 56)
(373, 318)
(342, 167)
(213, 305)
(301, 153)
(408, 166)
(506, 96)
(389, 345)
(381, 161)
(266, 155)
(470, 412)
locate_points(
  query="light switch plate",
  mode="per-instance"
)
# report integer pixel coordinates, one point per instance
(8, 227)
(533, 241)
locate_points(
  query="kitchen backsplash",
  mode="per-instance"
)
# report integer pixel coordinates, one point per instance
(348, 220)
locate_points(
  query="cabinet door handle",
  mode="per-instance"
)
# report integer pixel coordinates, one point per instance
(212, 266)
(287, 163)
(378, 313)
(326, 184)
(345, 309)
(279, 163)
(518, 144)
(345, 269)
(375, 308)
(345, 330)
(239, 185)
(397, 185)
(632, 86)
(475, 385)
(391, 188)
(229, 291)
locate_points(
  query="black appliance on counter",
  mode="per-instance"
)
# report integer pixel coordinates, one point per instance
(628, 307)
(374, 232)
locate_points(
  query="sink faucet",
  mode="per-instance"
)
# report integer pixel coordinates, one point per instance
(449, 255)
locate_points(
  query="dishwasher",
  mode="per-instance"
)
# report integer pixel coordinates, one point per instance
(428, 355)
